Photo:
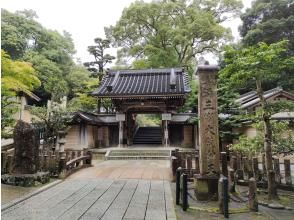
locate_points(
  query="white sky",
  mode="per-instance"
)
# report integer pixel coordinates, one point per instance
(85, 20)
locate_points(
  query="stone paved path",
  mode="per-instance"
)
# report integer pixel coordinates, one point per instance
(105, 197)
(127, 169)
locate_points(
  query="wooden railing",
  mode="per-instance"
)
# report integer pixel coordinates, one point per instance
(57, 163)
(240, 168)
(187, 160)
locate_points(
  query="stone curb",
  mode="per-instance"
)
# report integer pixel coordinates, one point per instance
(29, 195)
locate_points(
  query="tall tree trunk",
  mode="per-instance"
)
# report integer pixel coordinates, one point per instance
(272, 191)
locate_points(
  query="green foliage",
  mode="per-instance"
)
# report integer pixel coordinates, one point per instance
(49, 52)
(191, 102)
(282, 141)
(81, 85)
(101, 59)
(229, 112)
(171, 33)
(148, 120)
(270, 21)
(261, 62)
(52, 120)
(248, 146)
(16, 77)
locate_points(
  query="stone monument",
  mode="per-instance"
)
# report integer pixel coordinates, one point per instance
(26, 158)
(207, 181)
(26, 149)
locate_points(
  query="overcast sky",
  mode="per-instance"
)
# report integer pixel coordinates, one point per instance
(85, 19)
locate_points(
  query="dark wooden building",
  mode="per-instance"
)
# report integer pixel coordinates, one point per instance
(132, 92)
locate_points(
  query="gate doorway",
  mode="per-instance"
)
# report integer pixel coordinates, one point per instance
(148, 129)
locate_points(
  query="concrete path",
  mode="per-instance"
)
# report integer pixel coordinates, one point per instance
(105, 197)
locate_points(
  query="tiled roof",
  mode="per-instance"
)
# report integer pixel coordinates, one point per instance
(251, 99)
(148, 82)
(94, 118)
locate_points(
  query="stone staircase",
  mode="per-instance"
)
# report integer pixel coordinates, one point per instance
(138, 154)
(148, 135)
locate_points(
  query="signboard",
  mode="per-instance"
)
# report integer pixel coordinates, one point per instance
(120, 117)
(166, 117)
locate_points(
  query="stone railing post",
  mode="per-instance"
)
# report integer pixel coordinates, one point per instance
(178, 179)
(253, 202)
(287, 166)
(185, 204)
(62, 155)
(255, 168)
(223, 196)
(224, 164)
(277, 170)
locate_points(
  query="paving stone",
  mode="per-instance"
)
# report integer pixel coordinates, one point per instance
(98, 209)
(85, 196)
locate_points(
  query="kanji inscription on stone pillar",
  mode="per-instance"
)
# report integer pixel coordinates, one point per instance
(208, 123)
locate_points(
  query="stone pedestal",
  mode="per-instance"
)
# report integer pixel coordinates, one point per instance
(206, 188)
(207, 181)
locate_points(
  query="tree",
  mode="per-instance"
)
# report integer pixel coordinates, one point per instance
(81, 85)
(270, 21)
(171, 33)
(52, 120)
(101, 59)
(50, 53)
(259, 63)
(16, 77)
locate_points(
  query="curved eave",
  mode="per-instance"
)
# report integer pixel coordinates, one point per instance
(142, 96)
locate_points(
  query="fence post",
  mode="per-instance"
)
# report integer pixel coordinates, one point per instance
(239, 171)
(226, 197)
(277, 170)
(287, 166)
(245, 167)
(256, 169)
(62, 165)
(183, 161)
(189, 162)
(232, 180)
(3, 162)
(224, 164)
(233, 164)
(174, 163)
(89, 160)
(45, 167)
(185, 192)
(250, 170)
(9, 164)
(223, 196)
(178, 177)
(197, 168)
(253, 202)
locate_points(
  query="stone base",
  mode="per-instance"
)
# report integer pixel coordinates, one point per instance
(206, 188)
(25, 180)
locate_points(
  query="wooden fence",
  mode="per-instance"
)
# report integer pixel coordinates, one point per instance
(55, 162)
(239, 166)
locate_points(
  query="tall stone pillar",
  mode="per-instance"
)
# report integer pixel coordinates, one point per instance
(208, 131)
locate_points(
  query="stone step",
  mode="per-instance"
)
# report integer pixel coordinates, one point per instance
(148, 135)
(138, 155)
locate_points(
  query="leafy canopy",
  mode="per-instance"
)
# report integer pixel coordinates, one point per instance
(16, 76)
(170, 33)
(261, 62)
